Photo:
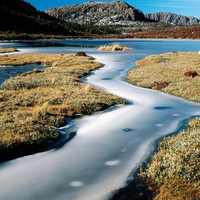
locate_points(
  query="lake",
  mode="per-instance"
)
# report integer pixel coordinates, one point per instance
(108, 146)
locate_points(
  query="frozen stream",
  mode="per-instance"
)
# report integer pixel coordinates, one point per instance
(107, 146)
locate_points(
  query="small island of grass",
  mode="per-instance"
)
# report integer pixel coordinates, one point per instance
(114, 47)
(7, 50)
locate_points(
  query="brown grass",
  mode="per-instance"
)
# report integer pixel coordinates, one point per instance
(169, 68)
(114, 47)
(174, 171)
(33, 102)
(7, 50)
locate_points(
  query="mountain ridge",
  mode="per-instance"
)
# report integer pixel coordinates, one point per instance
(98, 13)
(172, 18)
(117, 12)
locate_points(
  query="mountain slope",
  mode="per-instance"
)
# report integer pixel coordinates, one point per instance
(20, 16)
(98, 13)
(172, 18)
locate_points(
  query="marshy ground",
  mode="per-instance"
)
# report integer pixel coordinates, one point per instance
(174, 172)
(7, 50)
(32, 103)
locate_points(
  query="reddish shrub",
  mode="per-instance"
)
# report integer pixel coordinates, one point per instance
(191, 73)
(160, 85)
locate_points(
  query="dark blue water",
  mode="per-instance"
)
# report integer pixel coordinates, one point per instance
(11, 71)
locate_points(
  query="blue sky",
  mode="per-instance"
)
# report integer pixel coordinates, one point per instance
(182, 7)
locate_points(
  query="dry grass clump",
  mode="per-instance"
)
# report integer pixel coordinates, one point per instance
(33, 102)
(169, 68)
(114, 47)
(175, 170)
(7, 50)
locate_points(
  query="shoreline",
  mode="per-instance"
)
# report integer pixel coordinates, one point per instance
(151, 66)
(191, 33)
(31, 100)
(103, 38)
(136, 188)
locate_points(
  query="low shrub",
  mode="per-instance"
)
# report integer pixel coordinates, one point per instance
(159, 85)
(191, 74)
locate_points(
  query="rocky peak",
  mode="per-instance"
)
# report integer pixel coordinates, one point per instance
(98, 13)
(172, 18)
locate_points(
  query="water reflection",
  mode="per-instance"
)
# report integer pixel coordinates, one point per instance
(55, 44)
(12, 71)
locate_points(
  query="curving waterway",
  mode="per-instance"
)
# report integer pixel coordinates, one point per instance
(109, 145)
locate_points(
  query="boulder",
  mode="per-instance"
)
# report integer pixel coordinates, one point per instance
(81, 53)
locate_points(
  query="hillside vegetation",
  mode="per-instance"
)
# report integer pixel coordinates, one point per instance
(102, 20)
(21, 17)
(23, 21)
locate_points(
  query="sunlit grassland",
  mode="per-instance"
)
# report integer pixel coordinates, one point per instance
(33, 102)
(174, 172)
(170, 68)
(7, 50)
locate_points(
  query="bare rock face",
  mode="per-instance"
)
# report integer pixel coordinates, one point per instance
(98, 13)
(172, 18)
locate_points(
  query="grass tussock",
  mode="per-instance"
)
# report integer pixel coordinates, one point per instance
(174, 171)
(33, 102)
(170, 68)
(7, 50)
(114, 47)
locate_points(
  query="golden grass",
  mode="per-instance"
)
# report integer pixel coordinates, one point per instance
(7, 50)
(174, 170)
(169, 68)
(33, 102)
(114, 47)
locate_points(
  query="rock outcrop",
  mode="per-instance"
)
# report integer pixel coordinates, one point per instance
(98, 13)
(172, 18)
